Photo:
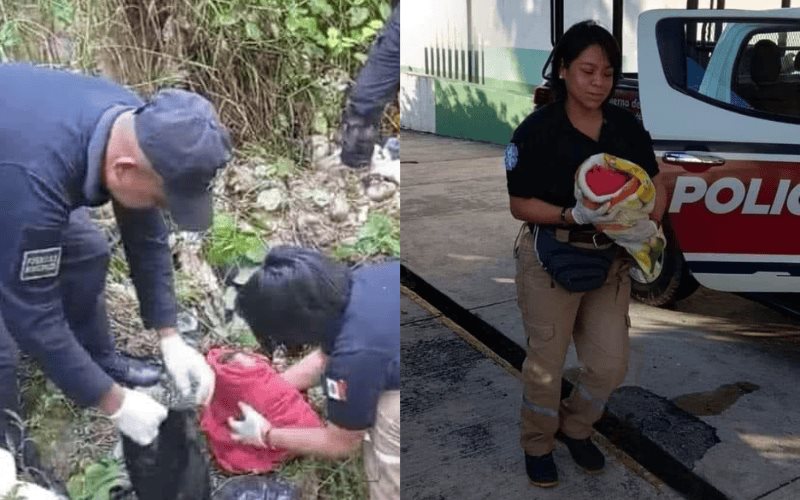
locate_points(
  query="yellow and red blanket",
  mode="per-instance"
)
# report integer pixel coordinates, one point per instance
(631, 195)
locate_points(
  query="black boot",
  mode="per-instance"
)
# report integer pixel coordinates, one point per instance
(541, 470)
(584, 453)
(130, 371)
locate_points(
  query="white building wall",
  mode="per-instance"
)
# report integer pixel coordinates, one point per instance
(417, 103)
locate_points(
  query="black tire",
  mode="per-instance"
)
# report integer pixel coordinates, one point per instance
(674, 283)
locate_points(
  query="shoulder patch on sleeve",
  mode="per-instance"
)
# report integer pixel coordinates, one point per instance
(511, 156)
(336, 389)
(40, 263)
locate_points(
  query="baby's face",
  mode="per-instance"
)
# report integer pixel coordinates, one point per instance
(243, 359)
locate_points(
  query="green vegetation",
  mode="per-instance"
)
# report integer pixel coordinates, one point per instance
(96, 481)
(230, 244)
(273, 67)
(379, 235)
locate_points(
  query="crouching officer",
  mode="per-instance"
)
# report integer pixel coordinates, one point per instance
(301, 297)
(376, 84)
(67, 142)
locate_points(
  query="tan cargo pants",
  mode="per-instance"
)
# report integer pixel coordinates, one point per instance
(598, 323)
(382, 449)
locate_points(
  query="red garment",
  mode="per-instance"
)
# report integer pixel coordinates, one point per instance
(604, 180)
(267, 392)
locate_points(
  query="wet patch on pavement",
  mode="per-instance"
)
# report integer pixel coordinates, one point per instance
(703, 404)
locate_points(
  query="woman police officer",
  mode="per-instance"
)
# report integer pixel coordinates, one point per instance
(541, 160)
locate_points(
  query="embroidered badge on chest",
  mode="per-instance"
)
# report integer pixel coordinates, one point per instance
(511, 156)
(336, 389)
(42, 263)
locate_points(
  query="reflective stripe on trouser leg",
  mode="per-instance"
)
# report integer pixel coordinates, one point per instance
(548, 314)
(382, 449)
(601, 342)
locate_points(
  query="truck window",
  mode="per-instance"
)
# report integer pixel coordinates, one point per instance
(749, 67)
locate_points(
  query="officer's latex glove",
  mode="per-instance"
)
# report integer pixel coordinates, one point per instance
(186, 365)
(584, 215)
(251, 429)
(8, 471)
(139, 417)
(359, 136)
(9, 483)
(640, 232)
(20, 489)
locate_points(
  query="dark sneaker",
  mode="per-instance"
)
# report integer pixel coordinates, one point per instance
(541, 470)
(584, 453)
(130, 371)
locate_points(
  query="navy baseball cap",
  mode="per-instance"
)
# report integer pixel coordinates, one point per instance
(182, 138)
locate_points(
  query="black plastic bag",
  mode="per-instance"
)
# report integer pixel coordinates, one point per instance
(257, 488)
(174, 466)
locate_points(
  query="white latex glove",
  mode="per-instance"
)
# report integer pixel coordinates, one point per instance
(139, 417)
(185, 365)
(640, 232)
(8, 471)
(20, 489)
(585, 215)
(251, 429)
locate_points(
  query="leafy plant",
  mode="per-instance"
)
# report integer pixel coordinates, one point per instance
(327, 479)
(282, 168)
(380, 234)
(245, 338)
(230, 244)
(96, 481)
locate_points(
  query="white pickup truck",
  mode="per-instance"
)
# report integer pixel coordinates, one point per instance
(719, 92)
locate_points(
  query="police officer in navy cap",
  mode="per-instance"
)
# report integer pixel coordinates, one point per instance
(375, 86)
(301, 297)
(68, 142)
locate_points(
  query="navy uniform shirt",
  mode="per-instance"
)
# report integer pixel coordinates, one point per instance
(53, 131)
(546, 151)
(364, 359)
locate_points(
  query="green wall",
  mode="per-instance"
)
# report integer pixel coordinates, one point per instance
(490, 109)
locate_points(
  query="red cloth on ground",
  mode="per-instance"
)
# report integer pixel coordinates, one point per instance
(267, 392)
(605, 180)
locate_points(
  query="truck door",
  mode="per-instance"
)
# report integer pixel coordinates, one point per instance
(720, 95)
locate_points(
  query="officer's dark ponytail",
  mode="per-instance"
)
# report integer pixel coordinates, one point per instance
(296, 297)
(576, 39)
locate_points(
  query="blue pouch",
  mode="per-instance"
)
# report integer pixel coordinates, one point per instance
(576, 269)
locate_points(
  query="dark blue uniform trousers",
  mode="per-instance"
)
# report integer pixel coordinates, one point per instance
(84, 262)
(378, 80)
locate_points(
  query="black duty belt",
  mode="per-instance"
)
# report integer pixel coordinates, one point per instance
(589, 237)
(580, 236)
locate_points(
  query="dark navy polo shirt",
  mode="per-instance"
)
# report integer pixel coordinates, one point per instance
(54, 126)
(549, 151)
(364, 359)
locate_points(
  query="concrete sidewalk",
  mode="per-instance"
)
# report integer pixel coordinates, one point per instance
(728, 361)
(460, 414)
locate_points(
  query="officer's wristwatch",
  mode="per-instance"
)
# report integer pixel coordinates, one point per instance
(564, 215)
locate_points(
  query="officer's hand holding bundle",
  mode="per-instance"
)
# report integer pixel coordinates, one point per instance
(585, 215)
(252, 429)
(139, 417)
(186, 365)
